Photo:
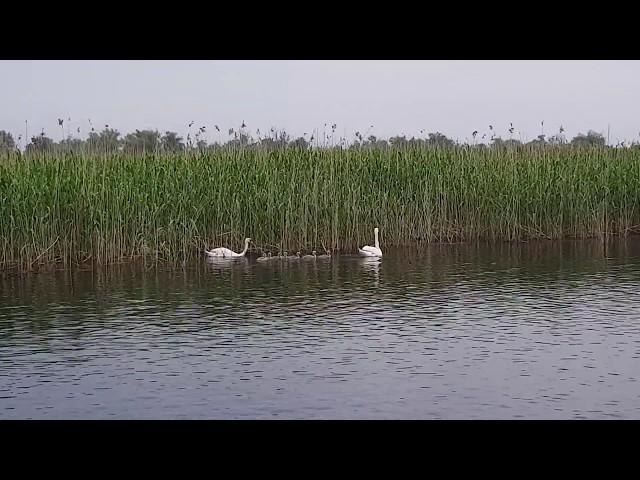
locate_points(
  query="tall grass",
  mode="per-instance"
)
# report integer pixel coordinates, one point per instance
(71, 208)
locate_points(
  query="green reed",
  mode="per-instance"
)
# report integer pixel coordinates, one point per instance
(72, 208)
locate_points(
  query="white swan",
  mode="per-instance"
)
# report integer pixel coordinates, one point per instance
(325, 256)
(310, 257)
(368, 251)
(225, 252)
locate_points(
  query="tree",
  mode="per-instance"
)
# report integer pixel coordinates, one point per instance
(498, 142)
(142, 141)
(398, 141)
(280, 140)
(374, 142)
(538, 142)
(240, 140)
(438, 139)
(71, 145)
(512, 142)
(7, 143)
(171, 142)
(417, 142)
(108, 140)
(590, 139)
(557, 140)
(40, 144)
(300, 143)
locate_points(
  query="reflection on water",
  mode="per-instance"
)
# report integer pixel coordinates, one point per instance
(221, 264)
(372, 265)
(532, 330)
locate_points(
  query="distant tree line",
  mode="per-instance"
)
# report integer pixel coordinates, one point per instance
(141, 141)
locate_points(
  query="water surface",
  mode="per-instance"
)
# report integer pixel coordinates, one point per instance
(487, 331)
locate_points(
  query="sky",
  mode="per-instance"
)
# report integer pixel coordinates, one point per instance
(382, 98)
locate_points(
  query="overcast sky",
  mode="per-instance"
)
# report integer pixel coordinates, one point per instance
(396, 97)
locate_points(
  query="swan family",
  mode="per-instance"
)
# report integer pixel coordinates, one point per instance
(221, 252)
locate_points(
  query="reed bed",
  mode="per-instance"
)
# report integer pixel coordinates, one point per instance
(73, 208)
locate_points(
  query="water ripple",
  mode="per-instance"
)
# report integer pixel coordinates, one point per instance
(520, 331)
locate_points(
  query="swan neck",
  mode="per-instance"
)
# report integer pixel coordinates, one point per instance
(377, 242)
(246, 247)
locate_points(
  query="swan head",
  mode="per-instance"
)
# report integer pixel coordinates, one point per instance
(313, 252)
(375, 230)
(247, 240)
(298, 254)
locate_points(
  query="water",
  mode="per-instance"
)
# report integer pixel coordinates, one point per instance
(531, 330)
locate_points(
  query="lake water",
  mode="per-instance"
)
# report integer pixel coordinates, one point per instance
(486, 331)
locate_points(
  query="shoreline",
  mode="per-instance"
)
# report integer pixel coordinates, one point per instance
(152, 262)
